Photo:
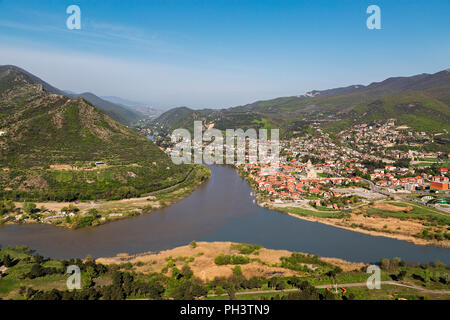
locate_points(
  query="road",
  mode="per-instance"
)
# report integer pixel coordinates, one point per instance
(171, 187)
(374, 188)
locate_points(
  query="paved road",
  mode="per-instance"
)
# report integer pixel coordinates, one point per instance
(171, 187)
(374, 188)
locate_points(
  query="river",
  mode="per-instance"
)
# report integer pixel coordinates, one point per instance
(220, 210)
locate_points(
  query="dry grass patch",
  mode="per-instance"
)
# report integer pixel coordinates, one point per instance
(264, 263)
(390, 207)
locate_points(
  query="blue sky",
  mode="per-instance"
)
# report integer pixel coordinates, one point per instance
(221, 53)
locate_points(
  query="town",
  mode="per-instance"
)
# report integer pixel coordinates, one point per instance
(363, 160)
(351, 177)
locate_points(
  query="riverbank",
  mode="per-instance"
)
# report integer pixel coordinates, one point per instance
(217, 271)
(94, 213)
(220, 210)
(279, 269)
(385, 218)
(370, 225)
(261, 262)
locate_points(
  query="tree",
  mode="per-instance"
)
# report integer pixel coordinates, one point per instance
(155, 289)
(350, 296)
(92, 273)
(231, 293)
(395, 262)
(73, 208)
(222, 259)
(36, 271)
(254, 282)
(7, 261)
(328, 295)
(117, 278)
(6, 206)
(107, 292)
(237, 270)
(189, 290)
(117, 293)
(187, 272)
(401, 275)
(281, 285)
(38, 258)
(94, 213)
(384, 264)
(127, 285)
(333, 275)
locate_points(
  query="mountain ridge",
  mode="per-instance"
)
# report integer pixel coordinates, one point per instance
(120, 113)
(123, 114)
(49, 144)
(340, 106)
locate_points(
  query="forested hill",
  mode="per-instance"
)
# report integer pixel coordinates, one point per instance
(421, 102)
(116, 111)
(121, 113)
(49, 145)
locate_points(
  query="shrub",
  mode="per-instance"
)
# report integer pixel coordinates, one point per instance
(237, 271)
(224, 259)
(401, 275)
(384, 263)
(245, 248)
(237, 259)
(6, 206)
(84, 221)
(29, 207)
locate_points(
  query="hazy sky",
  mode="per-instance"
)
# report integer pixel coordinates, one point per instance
(221, 53)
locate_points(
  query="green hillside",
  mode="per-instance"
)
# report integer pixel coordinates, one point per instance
(182, 117)
(415, 109)
(118, 112)
(49, 145)
(421, 102)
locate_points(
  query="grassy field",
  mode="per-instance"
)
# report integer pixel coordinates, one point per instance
(311, 213)
(431, 163)
(418, 212)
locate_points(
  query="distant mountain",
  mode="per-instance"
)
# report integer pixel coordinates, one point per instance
(336, 91)
(118, 112)
(44, 135)
(66, 92)
(149, 112)
(340, 99)
(393, 85)
(182, 117)
(124, 102)
(28, 77)
(421, 102)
